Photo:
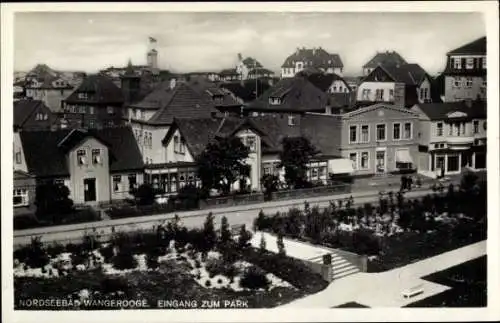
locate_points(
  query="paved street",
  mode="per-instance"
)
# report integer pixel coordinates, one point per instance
(236, 216)
(384, 289)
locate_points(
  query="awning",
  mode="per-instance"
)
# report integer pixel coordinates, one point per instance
(403, 156)
(340, 166)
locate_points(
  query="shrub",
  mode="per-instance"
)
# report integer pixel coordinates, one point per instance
(123, 212)
(144, 194)
(219, 281)
(34, 255)
(281, 245)
(107, 252)
(55, 249)
(113, 284)
(244, 238)
(81, 216)
(188, 197)
(220, 267)
(208, 283)
(26, 221)
(79, 258)
(365, 242)
(254, 278)
(152, 261)
(124, 260)
(197, 263)
(262, 246)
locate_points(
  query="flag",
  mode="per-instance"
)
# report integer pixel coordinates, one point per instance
(152, 40)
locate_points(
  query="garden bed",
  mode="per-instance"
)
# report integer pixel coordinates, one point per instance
(166, 264)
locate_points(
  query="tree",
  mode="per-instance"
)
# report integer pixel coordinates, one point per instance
(225, 233)
(295, 155)
(52, 201)
(281, 244)
(270, 183)
(209, 235)
(144, 194)
(244, 238)
(222, 163)
(262, 245)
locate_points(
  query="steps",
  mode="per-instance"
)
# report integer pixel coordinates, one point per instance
(341, 267)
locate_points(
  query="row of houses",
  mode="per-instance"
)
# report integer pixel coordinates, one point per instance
(107, 139)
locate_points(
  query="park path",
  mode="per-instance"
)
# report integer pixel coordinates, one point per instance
(384, 289)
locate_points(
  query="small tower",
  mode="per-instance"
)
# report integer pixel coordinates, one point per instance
(152, 56)
(130, 84)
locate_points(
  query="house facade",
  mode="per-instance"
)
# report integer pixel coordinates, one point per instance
(453, 137)
(24, 193)
(96, 103)
(465, 72)
(98, 166)
(317, 58)
(403, 85)
(52, 90)
(380, 139)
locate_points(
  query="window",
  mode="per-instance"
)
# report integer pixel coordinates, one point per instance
(457, 63)
(407, 133)
(45, 116)
(82, 96)
(484, 63)
(381, 132)
(274, 101)
(391, 94)
(96, 157)
(439, 127)
(132, 181)
(353, 134)
(421, 94)
(176, 144)
(457, 82)
(379, 94)
(81, 156)
(426, 93)
(364, 160)
(365, 133)
(291, 120)
(468, 82)
(91, 110)
(20, 197)
(18, 157)
(117, 180)
(111, 110)
(250, 143)
(469, 63)
(463, 128)
(354, 159)
(366, 94)
(396, 131)
(453, 163)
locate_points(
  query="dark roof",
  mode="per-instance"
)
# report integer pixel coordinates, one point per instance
(342, 100)
(297, 94)
(246, 90)
(317, 57)
(23, 109)
(409, 74)
(183, 101)
(251, 62)
(46, 158)
(102, 88)
(260, 70)
(41, 70)
(439, 111)
(323, 81)
(204, 87)
(228, 72)
(385, 58)
(476, 47)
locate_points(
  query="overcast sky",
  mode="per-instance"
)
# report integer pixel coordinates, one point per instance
(211, 41)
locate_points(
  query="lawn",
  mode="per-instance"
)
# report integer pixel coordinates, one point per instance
(468, 282)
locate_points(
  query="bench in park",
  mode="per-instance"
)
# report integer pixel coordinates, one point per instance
(413, 291)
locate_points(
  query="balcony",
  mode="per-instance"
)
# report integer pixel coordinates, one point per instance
(459, 142)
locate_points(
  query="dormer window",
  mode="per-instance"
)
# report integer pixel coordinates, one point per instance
(82, 96)
(81, 156)
(96, 157)
(274, 101)
(457, 63)
(179, 145)
(469, 63)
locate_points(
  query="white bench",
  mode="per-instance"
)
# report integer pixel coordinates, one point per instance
(413, 291)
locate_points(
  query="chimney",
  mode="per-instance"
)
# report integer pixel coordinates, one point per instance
(172, 83)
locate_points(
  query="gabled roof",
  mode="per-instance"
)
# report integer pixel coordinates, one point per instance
(385, 58)
(377, 106)
(251, 62)
(220, 96)
(440, 111)
(183, 101)
(323, 81)
(297, 94)
(102, 88)
(317, 57)
(45, 157)
(409, 74)
(228, 72)
(23, 109)
(476, 47)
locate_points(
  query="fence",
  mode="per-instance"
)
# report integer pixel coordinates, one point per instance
(234, 200)
(310, 192)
